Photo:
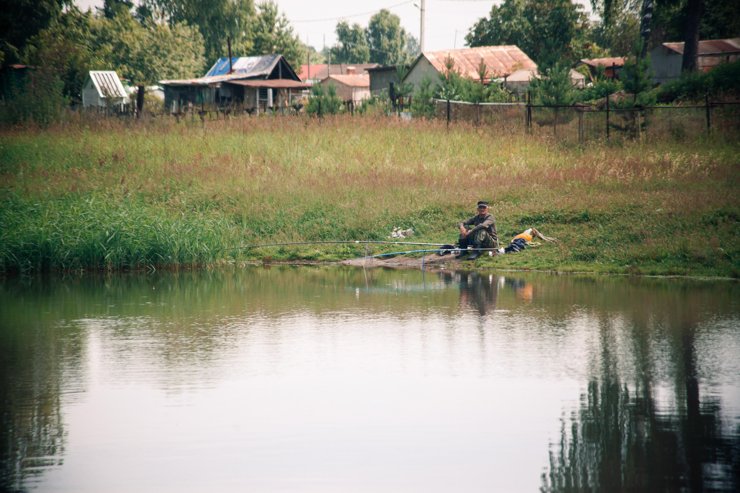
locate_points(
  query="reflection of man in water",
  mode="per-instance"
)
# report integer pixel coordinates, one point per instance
(523, 289)
(478, 291)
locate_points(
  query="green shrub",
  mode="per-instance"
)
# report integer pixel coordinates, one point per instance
(323, 102)
(36, 99)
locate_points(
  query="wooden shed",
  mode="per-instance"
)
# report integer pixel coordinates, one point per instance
(103, 89)
(353, 88)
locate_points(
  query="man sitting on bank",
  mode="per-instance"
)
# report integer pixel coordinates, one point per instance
(477, 232)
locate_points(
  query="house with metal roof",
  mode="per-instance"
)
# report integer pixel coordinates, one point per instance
(103, 89)
(666, 59)
(500, 62)
(253, 83)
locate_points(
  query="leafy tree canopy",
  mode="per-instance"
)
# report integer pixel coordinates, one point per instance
(548, 31)
(20, 20)
(273, 35)
(217, 20)
(387, 39)
(352, 44)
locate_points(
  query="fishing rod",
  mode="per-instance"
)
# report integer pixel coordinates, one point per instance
(337, 242)
(439, 251)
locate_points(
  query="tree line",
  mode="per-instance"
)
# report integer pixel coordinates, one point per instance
(560, 32)
(151, 40)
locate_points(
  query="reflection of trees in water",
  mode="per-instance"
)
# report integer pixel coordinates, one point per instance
(620, 441)
(38, 360)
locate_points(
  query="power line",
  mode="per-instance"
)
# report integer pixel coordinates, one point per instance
(349, 16)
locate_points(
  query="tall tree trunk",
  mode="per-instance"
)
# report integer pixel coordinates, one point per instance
(646, 25)
(694, 10)
(140, 101)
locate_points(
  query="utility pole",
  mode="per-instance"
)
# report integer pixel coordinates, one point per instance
(422, 10)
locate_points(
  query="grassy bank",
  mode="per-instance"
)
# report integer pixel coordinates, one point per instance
(115, 196)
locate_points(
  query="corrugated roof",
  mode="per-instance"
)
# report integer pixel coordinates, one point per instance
(605, 62)
(352, 80)
(107, 84)
(255, 67)
(522, 76)
(710, 46)
(273, 83)
(250, 66)
(500, 60)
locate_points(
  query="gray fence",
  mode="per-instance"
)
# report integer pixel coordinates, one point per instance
(581, 123)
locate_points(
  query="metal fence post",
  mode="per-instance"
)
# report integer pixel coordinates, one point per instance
(528, 116)
(607, 117)
(709, 113)
(448, 113)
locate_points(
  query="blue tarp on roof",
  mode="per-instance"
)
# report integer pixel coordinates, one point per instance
(251, 66)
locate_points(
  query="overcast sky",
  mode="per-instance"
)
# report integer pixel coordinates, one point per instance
(447, 21)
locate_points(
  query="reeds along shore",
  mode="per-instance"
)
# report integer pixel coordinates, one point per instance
(111, 195)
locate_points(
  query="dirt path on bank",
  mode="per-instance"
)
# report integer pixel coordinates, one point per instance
(432, 261)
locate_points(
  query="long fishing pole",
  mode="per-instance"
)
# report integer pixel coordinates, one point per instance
(441, 251)
(337, 242)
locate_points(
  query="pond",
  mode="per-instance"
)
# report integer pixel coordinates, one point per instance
(336, 379)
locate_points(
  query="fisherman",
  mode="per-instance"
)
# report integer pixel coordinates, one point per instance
(478, 232)
(520, 241)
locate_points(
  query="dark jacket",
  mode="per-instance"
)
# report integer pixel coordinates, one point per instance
(486, 222)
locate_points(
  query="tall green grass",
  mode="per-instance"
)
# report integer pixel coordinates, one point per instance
(117, 196)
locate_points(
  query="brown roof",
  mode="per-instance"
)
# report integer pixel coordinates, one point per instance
(710, 46)
(355, 80)
(500, 60)
(605, 62)
(320, 71)
(272, 83)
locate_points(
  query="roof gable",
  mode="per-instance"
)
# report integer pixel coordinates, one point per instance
(500, 61)
(252, 67)
(321, 71)
(615, 61)
(107, 84)
(351, 80)
(709, 46)
(266, 66)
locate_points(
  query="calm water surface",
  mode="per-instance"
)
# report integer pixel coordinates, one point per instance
(337, 380)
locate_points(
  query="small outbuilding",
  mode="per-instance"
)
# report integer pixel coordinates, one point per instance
(518, 82)
(103, 89)
(381, 79)
(611, 67)
(353, 88)
(666, 59)
(315, 73)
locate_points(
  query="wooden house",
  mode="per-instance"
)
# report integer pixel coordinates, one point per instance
(253, 83)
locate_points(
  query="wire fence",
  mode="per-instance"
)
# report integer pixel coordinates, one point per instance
(581, 123)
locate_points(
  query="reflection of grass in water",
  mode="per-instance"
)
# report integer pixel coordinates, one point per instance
(165, 194)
